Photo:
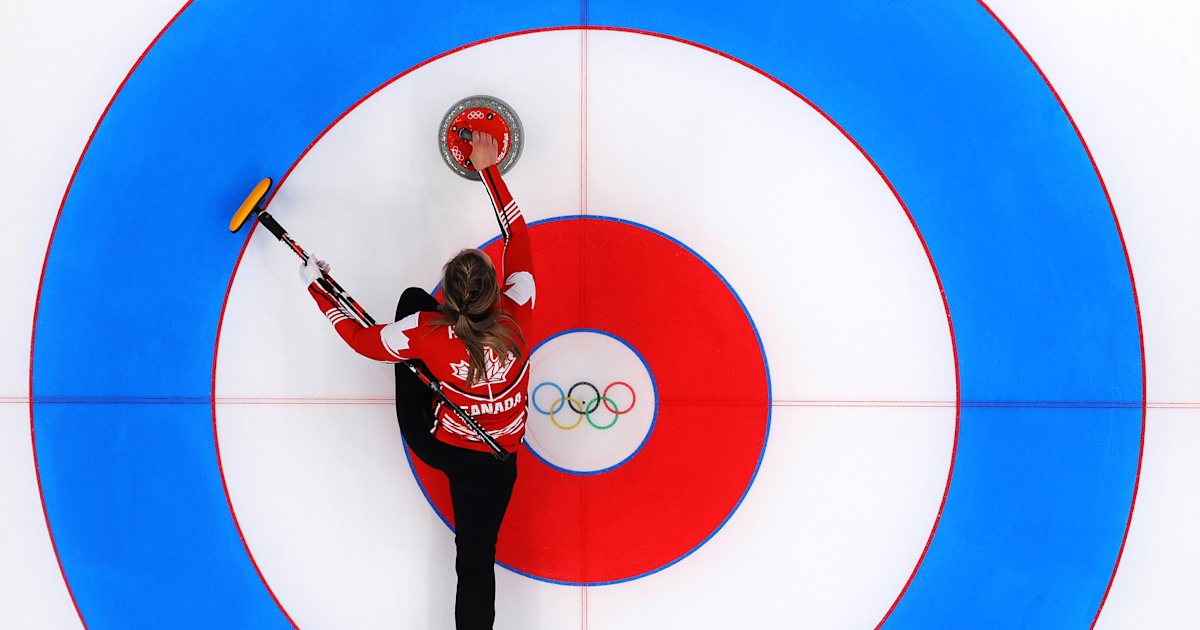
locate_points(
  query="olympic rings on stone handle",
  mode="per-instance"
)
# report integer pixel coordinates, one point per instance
(584, 409)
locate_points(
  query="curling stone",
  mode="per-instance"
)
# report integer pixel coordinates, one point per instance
(479, 113)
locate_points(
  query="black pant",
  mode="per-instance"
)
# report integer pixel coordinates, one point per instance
(480, 487)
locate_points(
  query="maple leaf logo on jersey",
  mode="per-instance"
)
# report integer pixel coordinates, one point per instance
(495, 372)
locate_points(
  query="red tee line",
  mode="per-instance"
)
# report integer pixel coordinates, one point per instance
(690, 402)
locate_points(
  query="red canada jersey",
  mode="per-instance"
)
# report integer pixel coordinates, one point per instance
(499, 401)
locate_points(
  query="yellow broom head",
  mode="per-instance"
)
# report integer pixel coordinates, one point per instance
(250, 204)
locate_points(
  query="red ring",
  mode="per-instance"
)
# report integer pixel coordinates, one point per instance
(604, 397)
(693, 470)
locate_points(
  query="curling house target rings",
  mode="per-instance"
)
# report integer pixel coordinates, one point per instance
(155, 465)
(652, 484)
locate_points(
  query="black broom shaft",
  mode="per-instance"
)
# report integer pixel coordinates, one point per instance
(329, 285)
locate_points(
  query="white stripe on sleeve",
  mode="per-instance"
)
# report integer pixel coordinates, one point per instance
(335, 315)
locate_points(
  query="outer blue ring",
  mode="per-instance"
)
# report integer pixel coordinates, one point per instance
(653, 416)
(940, 97)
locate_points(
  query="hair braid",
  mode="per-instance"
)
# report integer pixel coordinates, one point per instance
(471, 295)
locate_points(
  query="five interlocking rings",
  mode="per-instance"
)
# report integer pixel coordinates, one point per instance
(584, 408)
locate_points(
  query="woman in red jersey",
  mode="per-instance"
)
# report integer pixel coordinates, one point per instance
(473, 342)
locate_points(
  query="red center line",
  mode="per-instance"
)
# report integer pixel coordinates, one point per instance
(583, 121)
(583, 211)
(583, 152)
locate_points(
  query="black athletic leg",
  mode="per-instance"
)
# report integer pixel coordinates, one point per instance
(480, 487)
(414, 299)
(414, 401)
(480, 495)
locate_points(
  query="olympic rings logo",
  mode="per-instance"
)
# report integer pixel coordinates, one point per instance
(584, 408)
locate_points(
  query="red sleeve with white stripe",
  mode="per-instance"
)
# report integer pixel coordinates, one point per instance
(391, 342)
(517, 267)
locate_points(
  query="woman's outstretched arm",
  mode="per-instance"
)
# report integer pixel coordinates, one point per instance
(516, 269)
(390, 342)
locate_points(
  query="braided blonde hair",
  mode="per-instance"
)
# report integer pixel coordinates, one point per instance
(471, 296)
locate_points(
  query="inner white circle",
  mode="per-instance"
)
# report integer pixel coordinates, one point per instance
(579, 366)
